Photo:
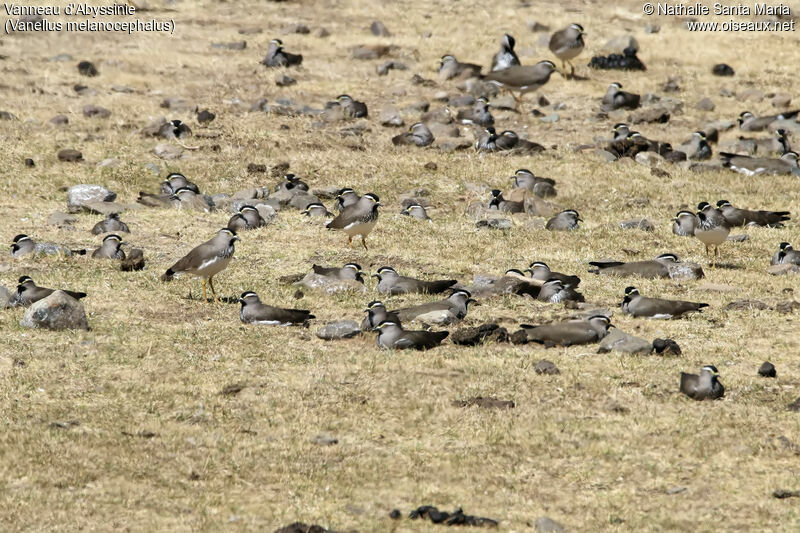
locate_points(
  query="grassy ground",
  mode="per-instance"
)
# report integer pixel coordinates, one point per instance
(125, 426)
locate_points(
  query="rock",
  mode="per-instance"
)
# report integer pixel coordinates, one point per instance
(59, 120)
(6, 298)
(282, 80)
(323, 439)
(535, 27)
(781, 100)
(111, 162)
(620, 341)
(486, 403)
(301, 527)
(57, 312)
(547, 368)
(619, 44)
(438, 318)
(705, 105)
(205, 116)
(453, 145)
(473, 336)
(122, 89)
(519, 337)
(61, 220)
(322, 33)
(494, 223)
(550, 118)
(784, 269)
(652, 28)
(343, 329)
(390, 117)
(653, 114)
(685, 270)
(70, 155)
(666, 347)
(168, 151)
(605, 155)
(794, 406)
(649, 159)
(767, 370)
(384, 68)
(134, 261)
(180, 105)
(741, 237)
(87, 68)
(80, 195)
(255, 168)
(744, 305)
(783, 493)
(379, 29)
(330, 286)
(637, 223)
(721, 69)
(787, 306)
(235, 45)
(374, 51)
(545, 524)
(95, 111)
(750, 95)
(301, 29)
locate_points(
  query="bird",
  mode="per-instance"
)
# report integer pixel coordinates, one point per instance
(712, 229)
(567, 44)
(392, 336)
(486, 141)
(697, 148)
(522, 78)
(501, 204)
(377, 313)
(416, 211)
(636, 143)
(541, 272)
(357, 219)
(206, 260)
(506, 57)
(28, 292)
(479, 114)
(163, 200)
(351, 108)
(175, 181)
(571, 332)
(785, 255)
(749, 166)
(293, 183)
(616, 98)
(541, 187)
(684, 223)
(749, 122)
(316, 209)
(621, 131)
(635, 304)
(457, 304)
(450, 67)
(278, 57)
(191, 200)
(656, 268)
(746, 217)
(111, 248)
(418, 135)
(23, 244)
(554, 291)
(350, 271)
(175, 129)
(110, 224)
(252, 216)
(346, 197)
(509, 140)
(255, 312)
(237, 222)
(705, 386)
(390, 282)
(566, 220)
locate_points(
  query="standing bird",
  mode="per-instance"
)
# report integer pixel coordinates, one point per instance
(635, 304)
(566, 220)
(785, 255)
(206, 260)
(705, 386)
(418, 135)
(377, 313)
(111, 223)
(110, 249)
(522, 78)
(684, 224)
(278, 57)
(390, 282)
(450, 67)
(712, 229)
(28, 292)
(255, 312)
(616, 98)
(393, 337)
(506, 57)
(357, 219)
(746, 217)
(567, 44)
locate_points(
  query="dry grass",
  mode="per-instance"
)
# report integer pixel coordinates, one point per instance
(599, 447)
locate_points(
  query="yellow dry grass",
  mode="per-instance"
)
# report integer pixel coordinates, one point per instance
(608, 444)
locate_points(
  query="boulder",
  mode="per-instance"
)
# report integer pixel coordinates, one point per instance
(57, 312)
(78, 196)
(343, 329)
(619, 341)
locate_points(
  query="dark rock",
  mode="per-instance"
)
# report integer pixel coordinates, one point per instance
(322, 33)
(87, 68)
(90, 111)
(384, 68)
(343, 329)
(473, 336)
(545, 367)
(134, 261)
(519, 337)
(59, 120)
(301, 29)
(29, 163)
(666, 347)
(59, 311)
(787, 306)
(743, 305)
(5, 115)
(494, 223)
(626, 61)
(416, 79)
(794, 406)
(783, 493)
(205, 116)
(395, 514)
(70, 155)
(767, 370)
(456, 518)
(256, 168)
(721, 69)
(654, 114)
(370, 51)
(300, 527)
(705, 105)
(379, 29)
(486, 403)
(232, 389)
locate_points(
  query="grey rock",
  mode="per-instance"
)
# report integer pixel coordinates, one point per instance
(59, 120)
(78, 196)
(750, 95)
(301, 29)
(685, 271)
(652, 28)
(745, 305)
(605, 155)
(390, 117)
(168, 151)
(322, 33)
(95, 111)
(179, 105)
(343, 329)
(705, 105)
(546, 367)
(384, 68)
(152, 167)
(58, 311)
(330, 286)
(70, 155)
(545, 524)
(6, 298)
(453, 145)
(649, 159)
(619, 341)
(536, 27)
(282, 80)
(494, 223)
(741, 237)
(370, 51)
(111, 162)
(637, 223)
(122, 89)
(550, 118)
(236, 45)
(301, 200)
(60, 58)
(324, 439)
(781, 100)
(379, 29)
(61, 220)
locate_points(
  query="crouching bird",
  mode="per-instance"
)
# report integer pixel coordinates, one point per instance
(206, 260)
(255, 312)
(705, 386)
(393, 337)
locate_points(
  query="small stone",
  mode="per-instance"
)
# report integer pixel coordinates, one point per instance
(650, 159)
(390, 117)
(783, 269)
(549, 119)
(794, 406)
(61, 220)
(781, 100)
(29, 163)
(256, 168)
(545, 524)
(652, 28)
(438, 318)
(168, 151)
(395, 514)
(546, 367)
(721, 69)
(205, 116)
(536, 27)
(666, 347)
(134, 261)
(494, 223)
(111, 162)
(180, 105)
(705, 105)
(473, 336)
(685, 271)
(750, 95)
(783, 493)
(90, 111)
(741, 237)
(70, 155)
(282, 80)
(655, 114)
(486, 403)
(59, 311)
(122, 89)
(519, 337)
(746, 305)
(637, 223)
(59, 120)
(379, 29)
(236, 45)
(322, 33)
(300, 29)
(767, 370)
(620, 341)
(6, 298)
(441, 96)
(659, 173)
(60, 58)
(605, 155)
(787, 306)
(727, 93)
(87, 68)
(370, 51)
(343, 329)
(323, 439)
(384, 68)
(430, 165)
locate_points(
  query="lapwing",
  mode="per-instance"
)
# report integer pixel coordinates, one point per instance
(570, 333)
(566, 220)
(350, 271)
(712, 229)
(377, 313)
(566, 45)
(206, 260)
(522, 78)
(28, 292)
(657, 268)
(392, 336)
(541, 272)
(506, 57)
(417, 135)
(450, 67)
(111, 248)
(705, 386)
(278, 57)
(747, 217)
(616, 98)
(684, 223)
(785, 255)
(390, 282)
(110, 224)
(635, 304)
(357, 219)
(255, 312)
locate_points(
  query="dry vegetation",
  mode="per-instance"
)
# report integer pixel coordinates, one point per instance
(608, 444)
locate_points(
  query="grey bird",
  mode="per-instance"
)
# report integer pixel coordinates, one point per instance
(506, 57)
(616, 98)
(506, 206)
(705, 386)
(570, 333)
(486, 141)
(657, 268)
(351, 108)
(450, 67)
(278, 57)
(416, 211)
(785, 255)
(541, 187)
(206, 260)
(712, 229)
(522, 78)
(191, 200)
(392, 336)
(175, 181)
(255, 312)
(390, 282)
(566, 220)
(237, 222)
(316, 209)
(749, 122)
(345, 198)
(252, 216)
(509, 140)
(697, 148)
(747, 217)
(23, 244)
(621, 131)
(567, 44)
(541, 272)
(417, 135)
(684, 223)
(749, 166)
(457, 304)
(163, 200)
(293, 183)
(350, 271)
(357, 219)
(479, 114)
(111, 248)
(377, 313)
(554, 291)
(110, 224)
(28, 292)
(637, 305)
